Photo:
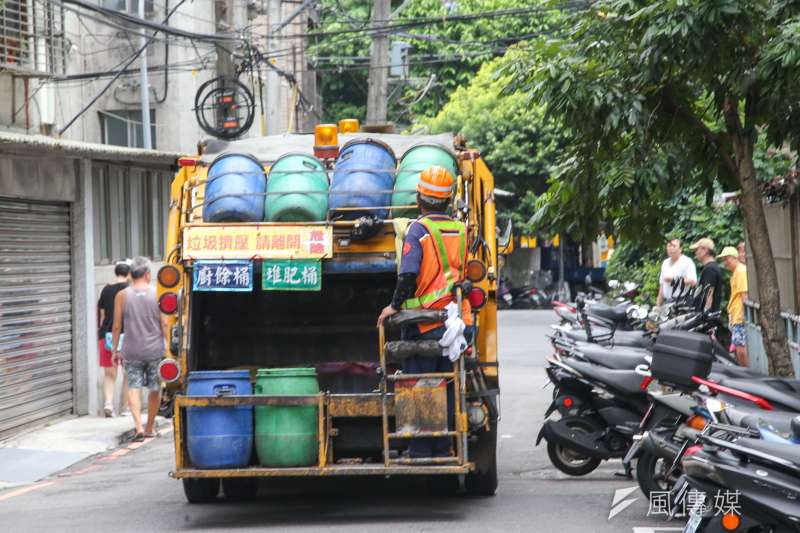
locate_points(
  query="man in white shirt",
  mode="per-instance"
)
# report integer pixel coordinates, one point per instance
(674, 267)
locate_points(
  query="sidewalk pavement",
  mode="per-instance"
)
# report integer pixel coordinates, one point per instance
(37, 454)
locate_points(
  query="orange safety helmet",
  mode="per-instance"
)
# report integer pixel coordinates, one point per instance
(436, 182)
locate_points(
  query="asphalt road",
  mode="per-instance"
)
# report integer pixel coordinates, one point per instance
(132, 492)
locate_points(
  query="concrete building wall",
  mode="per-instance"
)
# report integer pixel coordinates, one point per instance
(38, 168)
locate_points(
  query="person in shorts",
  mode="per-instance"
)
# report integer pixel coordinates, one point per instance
(730, 258)
(105, 319)
(145, 344)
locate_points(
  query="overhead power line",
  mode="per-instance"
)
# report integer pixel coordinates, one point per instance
(389, 27)
(119, 73)
(160, 27)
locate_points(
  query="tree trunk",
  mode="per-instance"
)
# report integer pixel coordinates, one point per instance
(773, 327)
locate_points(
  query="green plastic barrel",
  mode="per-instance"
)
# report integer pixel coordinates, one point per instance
(287, 435)
(297, 190)
(414, 161)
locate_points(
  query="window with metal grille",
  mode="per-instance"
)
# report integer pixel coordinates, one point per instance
(130, 212)
(32, 37)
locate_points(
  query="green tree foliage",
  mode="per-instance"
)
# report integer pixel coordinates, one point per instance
(511, 134)
(688, 217)
(453, 52)
(444, 55)
(661, 95)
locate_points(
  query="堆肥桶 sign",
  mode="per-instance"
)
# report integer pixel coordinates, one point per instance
(291, 275)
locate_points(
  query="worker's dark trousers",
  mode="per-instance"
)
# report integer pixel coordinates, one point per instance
(431, 447)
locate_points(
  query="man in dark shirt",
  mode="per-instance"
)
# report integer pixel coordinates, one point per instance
(105, 319)
(710, 275)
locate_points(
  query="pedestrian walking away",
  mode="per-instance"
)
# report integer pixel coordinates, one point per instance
(730, 257)
(144, 346)
(676, 266)
(433, 261)
(105, 319)
(710, 274)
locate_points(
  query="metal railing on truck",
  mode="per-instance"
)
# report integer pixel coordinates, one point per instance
(383, 404)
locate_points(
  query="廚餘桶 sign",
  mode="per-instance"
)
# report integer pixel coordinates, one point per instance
(257, 242)
(291, 275)
(234, 276)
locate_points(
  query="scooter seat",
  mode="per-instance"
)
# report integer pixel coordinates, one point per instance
(625, 381)
(755, 418)
(732, 371)
(788, 451)
(579, 335)
(789, 401)
(619, 358)
(608, 312)
(790, 386)
(638, 339)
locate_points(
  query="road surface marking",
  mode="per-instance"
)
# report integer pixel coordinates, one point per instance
(25, 490)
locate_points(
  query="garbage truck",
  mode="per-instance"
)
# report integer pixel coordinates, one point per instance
(275, 366)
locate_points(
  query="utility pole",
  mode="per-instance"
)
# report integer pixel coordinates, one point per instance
(378, 84)
(144, 88)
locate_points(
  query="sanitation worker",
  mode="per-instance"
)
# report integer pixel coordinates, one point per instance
(433, 262)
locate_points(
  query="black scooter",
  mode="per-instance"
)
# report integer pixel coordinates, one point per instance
(764, 478)
(601, 410)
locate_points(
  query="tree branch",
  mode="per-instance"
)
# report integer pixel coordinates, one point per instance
(699, 126)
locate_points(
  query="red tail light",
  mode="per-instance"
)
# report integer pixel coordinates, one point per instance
(691, 450)
(477, 297)
(168, 303)
(716, 387)
(645, 382)
(568, 402)
(169, 370)
(534, 291)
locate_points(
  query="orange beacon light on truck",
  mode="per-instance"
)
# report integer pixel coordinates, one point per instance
(326, 141)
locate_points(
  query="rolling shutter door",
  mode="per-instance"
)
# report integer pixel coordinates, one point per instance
(35, 314)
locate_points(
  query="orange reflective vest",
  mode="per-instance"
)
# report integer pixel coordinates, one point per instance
(444, 256)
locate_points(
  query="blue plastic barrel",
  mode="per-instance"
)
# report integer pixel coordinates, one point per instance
(235, 189)
(363, 178)
(219, 437)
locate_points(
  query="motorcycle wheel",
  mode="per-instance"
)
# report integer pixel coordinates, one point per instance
(651, 473)
(569, 461)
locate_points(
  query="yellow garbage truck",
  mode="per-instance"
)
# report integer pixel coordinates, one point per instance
(268, 292)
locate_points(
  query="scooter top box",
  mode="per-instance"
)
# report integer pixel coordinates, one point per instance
(679, 355)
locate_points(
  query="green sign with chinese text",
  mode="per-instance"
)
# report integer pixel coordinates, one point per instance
(291, 275)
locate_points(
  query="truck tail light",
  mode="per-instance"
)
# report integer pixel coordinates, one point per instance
(169, 370)
(169, 276)
(477, 298)
(168, 303)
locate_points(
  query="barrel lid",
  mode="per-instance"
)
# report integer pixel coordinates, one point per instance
(369, 140)
(424, 144)
(301, 155)
(286, 372)
(232, 154)
(219, 374)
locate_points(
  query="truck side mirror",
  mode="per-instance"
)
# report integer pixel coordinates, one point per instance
(504, 240)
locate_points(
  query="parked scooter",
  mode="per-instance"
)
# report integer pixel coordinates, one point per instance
(764, 477)
(504, 298)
